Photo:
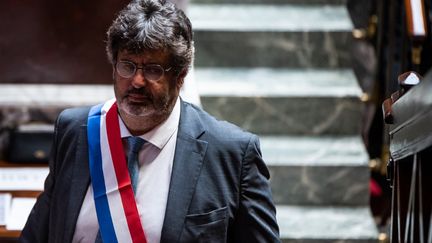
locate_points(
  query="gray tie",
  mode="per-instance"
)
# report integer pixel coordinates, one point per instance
(134, 146)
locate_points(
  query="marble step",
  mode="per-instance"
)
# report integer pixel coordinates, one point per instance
(317, 170)
(303, 224)
(283, 101)
(272, 1)
(264, 101)
(24, 103)
(242, 35)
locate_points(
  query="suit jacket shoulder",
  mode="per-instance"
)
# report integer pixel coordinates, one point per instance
(70, 119)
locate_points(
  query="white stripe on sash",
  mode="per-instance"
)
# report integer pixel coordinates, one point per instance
(113, 194)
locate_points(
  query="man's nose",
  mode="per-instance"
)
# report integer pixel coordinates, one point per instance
(138, 80)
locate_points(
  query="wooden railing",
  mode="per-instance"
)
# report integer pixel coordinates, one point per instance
(410, 166)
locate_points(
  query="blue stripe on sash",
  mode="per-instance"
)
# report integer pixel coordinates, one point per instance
(97, 179)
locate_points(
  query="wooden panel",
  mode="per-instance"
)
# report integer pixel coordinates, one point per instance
(4, 233)
(55, 41)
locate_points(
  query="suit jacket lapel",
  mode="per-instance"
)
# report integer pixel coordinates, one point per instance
(79, 184)
(187, 165)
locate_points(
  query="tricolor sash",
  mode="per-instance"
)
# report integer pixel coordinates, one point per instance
(114, 199)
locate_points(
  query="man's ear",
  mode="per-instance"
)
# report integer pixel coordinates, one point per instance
(181, 76)
(113, 71)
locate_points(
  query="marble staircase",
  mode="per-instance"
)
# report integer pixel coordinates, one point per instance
(281, 69)
(283, 100)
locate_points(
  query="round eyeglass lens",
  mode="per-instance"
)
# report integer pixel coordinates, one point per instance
(126, 69)
(153, 72)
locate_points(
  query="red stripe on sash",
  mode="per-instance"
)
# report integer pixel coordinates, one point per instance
(122, 174)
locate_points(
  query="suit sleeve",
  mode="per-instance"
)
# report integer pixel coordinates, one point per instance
(36, 228)
(256, 217)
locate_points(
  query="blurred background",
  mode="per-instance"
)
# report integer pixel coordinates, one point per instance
(308, 76)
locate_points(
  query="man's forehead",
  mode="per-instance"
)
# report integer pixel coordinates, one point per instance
(144, 54)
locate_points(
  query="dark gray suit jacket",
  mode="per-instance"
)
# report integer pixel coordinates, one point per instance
(219, 190)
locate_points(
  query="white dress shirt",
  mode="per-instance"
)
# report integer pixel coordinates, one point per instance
(156, 159)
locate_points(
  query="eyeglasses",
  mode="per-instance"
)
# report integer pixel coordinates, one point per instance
(151, 72)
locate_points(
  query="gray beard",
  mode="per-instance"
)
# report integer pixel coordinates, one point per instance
(140, 119)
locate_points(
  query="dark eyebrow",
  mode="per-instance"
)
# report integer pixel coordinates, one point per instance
(126, 60)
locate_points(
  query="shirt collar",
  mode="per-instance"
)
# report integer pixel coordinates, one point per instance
(160, 135)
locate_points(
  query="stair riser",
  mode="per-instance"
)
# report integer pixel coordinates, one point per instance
(320, 185)
(272, 49)
(288, 240)
(273, 1)
(288, 115)
(326, 224)
(262, 115)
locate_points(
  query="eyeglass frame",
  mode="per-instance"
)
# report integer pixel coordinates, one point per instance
(142, 68)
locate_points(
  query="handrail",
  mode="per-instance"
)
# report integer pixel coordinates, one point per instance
(411, 130)
(409, 114)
